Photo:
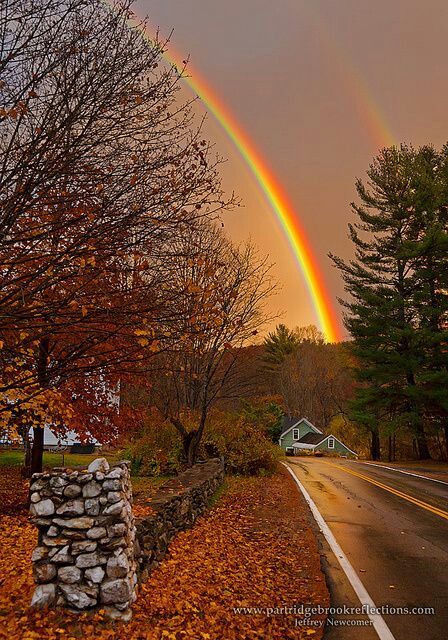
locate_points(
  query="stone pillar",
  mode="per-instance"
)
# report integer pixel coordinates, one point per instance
(85, 554)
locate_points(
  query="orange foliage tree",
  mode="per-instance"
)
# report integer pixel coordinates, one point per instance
(102, 168)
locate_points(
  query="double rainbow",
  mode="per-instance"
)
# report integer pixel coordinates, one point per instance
(275, 196)
(270, 185)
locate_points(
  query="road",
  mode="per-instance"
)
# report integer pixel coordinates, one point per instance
(393, 528)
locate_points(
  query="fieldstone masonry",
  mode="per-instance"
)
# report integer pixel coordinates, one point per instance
(89, 550)
(176, 505)
(85, 557)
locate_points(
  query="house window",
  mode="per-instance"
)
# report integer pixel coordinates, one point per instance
(331, 443)
(295, 434)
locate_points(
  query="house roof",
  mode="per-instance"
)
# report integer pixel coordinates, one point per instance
(312, 438)
(318, 438)
(288, 423)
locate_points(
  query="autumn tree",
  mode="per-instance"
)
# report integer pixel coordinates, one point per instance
(221, 293)
(308, 334)
(316, 382)
(100, 166)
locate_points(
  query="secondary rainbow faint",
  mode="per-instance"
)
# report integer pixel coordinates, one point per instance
(272, 189)
(370, 115)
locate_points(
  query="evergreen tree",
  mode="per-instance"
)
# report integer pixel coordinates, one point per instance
(431, 271)
(278, 344)
(398, 293)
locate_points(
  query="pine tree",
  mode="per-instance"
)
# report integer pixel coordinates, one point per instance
(431, 271)
(397, 293)
(278, 344)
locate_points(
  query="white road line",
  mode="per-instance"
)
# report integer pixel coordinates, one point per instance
(408, 473)
(378, 622)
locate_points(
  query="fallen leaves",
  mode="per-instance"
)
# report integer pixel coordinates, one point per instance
(13, 492)
(253, 549)
(142, 510)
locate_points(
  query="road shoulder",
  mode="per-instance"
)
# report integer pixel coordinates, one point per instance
(340, 625)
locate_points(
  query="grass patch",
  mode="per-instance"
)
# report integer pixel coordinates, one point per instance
(220, 491)
(15, 458)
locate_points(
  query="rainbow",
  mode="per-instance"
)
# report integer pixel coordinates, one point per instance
(371, 116)
(373, 120)
(272, 190)
(276, 197)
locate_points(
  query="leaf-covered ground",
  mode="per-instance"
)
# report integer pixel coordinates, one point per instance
(254, 548)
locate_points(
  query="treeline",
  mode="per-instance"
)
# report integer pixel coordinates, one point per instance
(113, 262)
(390, 380)
(312, 378)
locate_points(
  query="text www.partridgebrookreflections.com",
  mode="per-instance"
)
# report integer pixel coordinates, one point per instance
(317, 610)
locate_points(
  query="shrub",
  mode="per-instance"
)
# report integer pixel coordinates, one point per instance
(265, 414)
(246, 449)
(245, 445)
(155, 451)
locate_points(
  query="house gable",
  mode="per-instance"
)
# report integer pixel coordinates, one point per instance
(339, 447)
(303, 426)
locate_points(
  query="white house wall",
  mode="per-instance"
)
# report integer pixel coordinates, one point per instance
(64, 440)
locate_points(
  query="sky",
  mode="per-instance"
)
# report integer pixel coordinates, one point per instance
(319, 86)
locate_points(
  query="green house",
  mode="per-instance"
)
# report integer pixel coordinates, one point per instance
(299, 435)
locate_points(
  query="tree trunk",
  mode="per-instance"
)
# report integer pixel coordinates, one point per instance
(26, 471)
(440, 447)
(190, 445)
(375, 446)
(422, 444)
(445, 431)
(389, 452)
(419, 430)
(37, 453)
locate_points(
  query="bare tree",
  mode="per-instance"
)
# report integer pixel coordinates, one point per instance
(316, 382)
(221, 294)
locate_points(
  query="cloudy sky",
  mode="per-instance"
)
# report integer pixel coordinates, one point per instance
(319, 86)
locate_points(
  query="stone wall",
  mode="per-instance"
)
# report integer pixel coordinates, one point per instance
(176, 506)
(85, 556)
(90, 549)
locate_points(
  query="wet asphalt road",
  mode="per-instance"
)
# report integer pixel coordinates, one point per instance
(398, 549)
